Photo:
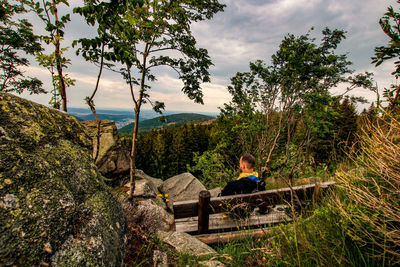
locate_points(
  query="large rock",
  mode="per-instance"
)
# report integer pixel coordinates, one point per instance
(181, 187)
(149, 215)
(54, 206)
(143, 188)
(146, 187)
(141, 175)
(215, 192)
(183, 242)
(112, 158)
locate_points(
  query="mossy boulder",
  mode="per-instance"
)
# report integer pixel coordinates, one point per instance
(54, 206)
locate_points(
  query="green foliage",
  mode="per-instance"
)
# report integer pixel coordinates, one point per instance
(142, 35)
(334, 133)
(210, 169)
(15, 37)
(284, 113)
(55, 62)
(159, 27)
(169, 151)
(319, 240)
(323, 238)
(49, 62)
(390, 26)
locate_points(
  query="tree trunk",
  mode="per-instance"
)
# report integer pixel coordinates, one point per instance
(138, 104)
(62, 89)
(132, 155)
(91, 104)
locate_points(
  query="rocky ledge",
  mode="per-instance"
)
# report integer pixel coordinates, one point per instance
(54, 206)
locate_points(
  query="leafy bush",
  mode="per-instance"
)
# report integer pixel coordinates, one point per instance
(210, 169)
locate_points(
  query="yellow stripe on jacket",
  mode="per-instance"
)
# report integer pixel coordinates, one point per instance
(247, 174)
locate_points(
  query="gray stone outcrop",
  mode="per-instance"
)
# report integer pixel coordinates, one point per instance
(181, 187)
(183, 242)
(153, 217)
(113, 158)
(143, 188)
(215, 191)
(141, 175)
(55, 209)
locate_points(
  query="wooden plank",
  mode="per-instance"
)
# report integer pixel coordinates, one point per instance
(189, 208)
(214, 238)
(225, 221)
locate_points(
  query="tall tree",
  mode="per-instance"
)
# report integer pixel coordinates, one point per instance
(48, 12)
(293, 89)
(16, 36)
(149, 34)
(95, 50)
(390, 25)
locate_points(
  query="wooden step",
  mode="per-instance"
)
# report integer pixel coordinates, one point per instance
(215, 238)
(226, 221)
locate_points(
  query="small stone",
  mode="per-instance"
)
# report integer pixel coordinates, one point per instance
(10, 201)
(160, 258)
(4, 135)
(211, 264)
(183, 242)
(47, 247)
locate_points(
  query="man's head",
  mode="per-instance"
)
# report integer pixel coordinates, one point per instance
(247, 162)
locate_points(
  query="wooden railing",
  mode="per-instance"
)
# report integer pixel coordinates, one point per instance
(217, 214)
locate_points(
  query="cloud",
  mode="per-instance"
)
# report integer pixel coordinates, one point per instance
(246, 31)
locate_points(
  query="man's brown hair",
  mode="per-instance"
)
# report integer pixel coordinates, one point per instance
(249, 159)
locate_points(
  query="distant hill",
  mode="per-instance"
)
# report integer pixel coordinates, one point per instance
(101, 116)
(174, 119)
(122, 117)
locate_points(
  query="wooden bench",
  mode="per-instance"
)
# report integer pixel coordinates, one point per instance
(214, 215)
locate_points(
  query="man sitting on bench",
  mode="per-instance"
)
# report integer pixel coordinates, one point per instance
(248, 180)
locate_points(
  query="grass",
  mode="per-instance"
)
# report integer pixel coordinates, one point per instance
(320, 238)
(356, 225)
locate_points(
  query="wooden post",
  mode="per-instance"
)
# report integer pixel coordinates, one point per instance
(203, 212)
(317, 193)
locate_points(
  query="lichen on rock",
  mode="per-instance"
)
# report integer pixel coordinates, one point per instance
(54, 205)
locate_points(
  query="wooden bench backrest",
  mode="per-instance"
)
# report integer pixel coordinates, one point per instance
(189, 208)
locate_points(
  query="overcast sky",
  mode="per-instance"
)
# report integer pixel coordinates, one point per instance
(246, 31)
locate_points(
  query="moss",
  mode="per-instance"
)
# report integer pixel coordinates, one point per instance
(51, 192)
(38, 124)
